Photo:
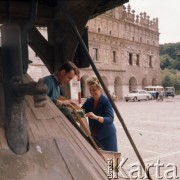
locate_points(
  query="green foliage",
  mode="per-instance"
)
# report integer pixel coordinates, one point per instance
(171, 77)
(168, 79)
(177, 84)
(166, 62)
(172, 49)
(169, 56)
(170, 65)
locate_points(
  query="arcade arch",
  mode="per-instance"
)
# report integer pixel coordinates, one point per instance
(118, 87)
(144, 83)
(104, 78)
(132, 84)
(84, 88)
(154, 82)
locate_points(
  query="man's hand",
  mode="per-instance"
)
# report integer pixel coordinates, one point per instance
(68, 103)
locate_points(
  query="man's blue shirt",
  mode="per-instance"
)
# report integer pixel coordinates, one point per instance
(53, 87)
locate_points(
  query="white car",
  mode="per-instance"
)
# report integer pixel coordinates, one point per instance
(138, 95)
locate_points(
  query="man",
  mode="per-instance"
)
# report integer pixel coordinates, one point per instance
(63, 76)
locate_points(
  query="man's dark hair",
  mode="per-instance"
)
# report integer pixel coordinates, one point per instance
(68, 66)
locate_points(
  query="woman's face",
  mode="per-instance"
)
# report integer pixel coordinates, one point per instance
(95, 92)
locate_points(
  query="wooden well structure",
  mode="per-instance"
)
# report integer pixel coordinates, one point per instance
(39, 142)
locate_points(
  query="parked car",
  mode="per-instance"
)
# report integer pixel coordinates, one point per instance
(138, 95)
(169, 91)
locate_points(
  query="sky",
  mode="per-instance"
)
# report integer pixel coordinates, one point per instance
(168, 13)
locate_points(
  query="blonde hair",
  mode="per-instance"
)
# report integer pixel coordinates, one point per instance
(93, 81)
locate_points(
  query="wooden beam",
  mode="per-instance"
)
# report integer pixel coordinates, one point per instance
(42, 48)
(2, 107)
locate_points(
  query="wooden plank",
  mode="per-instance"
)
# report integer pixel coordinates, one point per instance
(53, 129)
(0, 139)
(67, 134)
(87, 132)
(43, 161)
(79, 169)
(54, 162)
(3, 140)
(58, 130)
(30, 134)
(36, 111)
(55, 110)
(84, 148)
(32, 126)
(0, 143)
(36, 127)
(74, 133)
(78, 146)
(90, 153)
(43, 134)
(41, 113)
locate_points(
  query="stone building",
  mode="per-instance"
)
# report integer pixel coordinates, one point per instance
(124, 48)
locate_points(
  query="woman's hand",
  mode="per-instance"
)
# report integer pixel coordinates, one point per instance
(93, 116)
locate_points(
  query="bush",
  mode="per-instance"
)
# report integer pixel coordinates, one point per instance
(171, 78)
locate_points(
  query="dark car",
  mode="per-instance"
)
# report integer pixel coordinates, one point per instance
(169, 91)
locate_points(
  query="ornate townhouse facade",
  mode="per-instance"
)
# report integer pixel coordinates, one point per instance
(124, 48)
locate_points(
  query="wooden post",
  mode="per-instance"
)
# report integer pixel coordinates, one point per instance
(79, 89)
(15, 120)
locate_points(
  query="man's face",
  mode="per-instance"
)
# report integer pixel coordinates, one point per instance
(64, 77)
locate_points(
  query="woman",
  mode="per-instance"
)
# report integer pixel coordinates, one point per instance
(100, 114)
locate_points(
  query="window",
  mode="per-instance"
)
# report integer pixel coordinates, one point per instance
(137, 59)
(130, 59)
(114, 56)
(99, 30)
(95, 54)
(150, 61)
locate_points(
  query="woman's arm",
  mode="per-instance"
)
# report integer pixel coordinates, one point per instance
(91, 115)
(108, 113)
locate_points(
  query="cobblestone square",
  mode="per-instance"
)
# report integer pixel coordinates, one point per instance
(155, 129)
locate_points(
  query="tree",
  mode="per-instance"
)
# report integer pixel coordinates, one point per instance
(166, 62)
(168, 80)
(177, 84)
(170, 65)
(168, 77)
(169, 56)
